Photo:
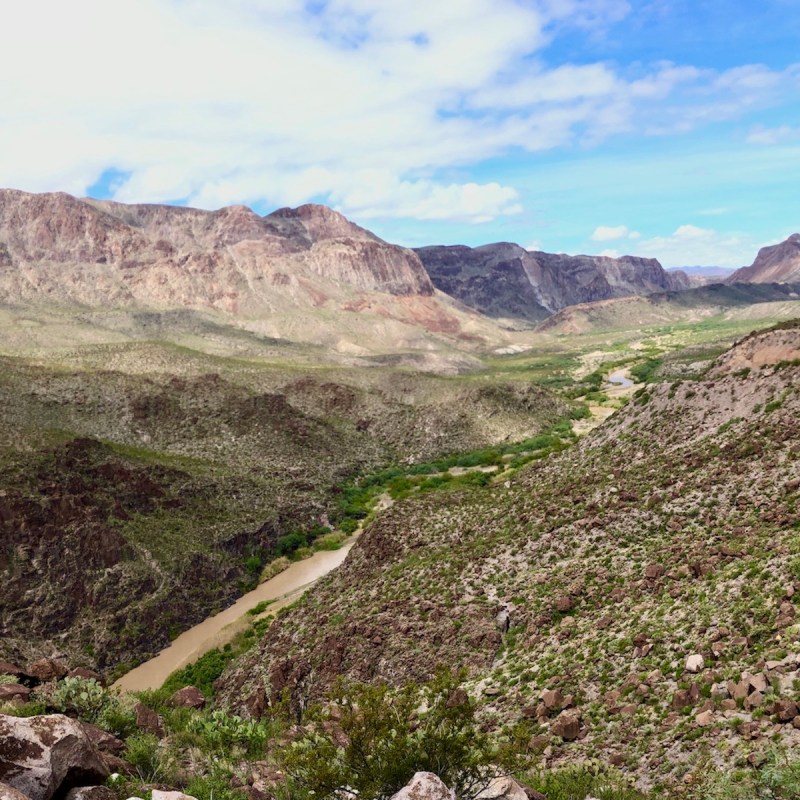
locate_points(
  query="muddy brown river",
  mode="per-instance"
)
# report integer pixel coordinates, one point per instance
(218, 630)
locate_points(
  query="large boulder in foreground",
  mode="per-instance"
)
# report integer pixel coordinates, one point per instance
(47, 755)
(424, 786)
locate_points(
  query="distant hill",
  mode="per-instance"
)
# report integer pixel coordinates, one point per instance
(689, 305)
(778, 263)
(505, 280)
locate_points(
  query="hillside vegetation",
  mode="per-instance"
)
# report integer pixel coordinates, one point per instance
(631, 599)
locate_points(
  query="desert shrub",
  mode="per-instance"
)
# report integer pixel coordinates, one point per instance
(576, 783)
(153, 762)
(220, 732)
(778, 778)
(8, 679)
(646, 371)
(372, 739)
(202, 673)
(580, 411)
(216, 785)
(88, 700)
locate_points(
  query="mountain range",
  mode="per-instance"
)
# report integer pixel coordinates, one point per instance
(306, 274)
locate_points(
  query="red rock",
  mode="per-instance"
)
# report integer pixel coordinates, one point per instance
(188, 697)
(704, 719)
(46, 669)
(552, 699)
(680, 700)
(567, 725)
(103, 741)
(654, 571)
(13, 691)
(564, 603)
(148, 720)
(785, 710)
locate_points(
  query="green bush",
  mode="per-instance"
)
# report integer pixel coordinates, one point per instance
(153, 763)
(220, 732)
(576, 783)
(88, 700)
(373, 739)
(202, 673)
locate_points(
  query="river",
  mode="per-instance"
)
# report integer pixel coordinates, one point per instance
(619, 380)
(220, 629)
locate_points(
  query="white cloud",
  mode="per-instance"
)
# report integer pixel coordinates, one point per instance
(610, 253)
(690, 245)
(606, 233)
(370, 105)
(761, 135)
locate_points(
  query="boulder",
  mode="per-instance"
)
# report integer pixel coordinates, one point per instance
(758, 683)
(785, 710)
(680, 700)
(694, 663)
(13, 691)
(567, 725)
(148, 720)
(10, 793)
(91, 793)
(46, 669)
(160, 794)
(553, 699)
(7, 668)
(102, 740)
(704, 718)
(188, 697)
(47, 755)
(423, 786)
(503, 788)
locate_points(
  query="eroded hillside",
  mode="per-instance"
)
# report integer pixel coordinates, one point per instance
(631, 599)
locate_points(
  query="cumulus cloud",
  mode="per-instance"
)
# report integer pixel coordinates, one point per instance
(606, 233)
(689, 245)
(376, 107)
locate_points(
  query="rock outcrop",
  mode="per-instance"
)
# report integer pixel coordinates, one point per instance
(505, 280)
(779, 263)
(46, 756)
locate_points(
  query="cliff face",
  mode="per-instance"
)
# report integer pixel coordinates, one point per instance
(504, 279)
(59, 249)
(779, 263)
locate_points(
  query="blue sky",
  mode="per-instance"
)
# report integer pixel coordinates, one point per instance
(663, 128)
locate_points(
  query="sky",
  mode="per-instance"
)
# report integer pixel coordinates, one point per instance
(660, 128)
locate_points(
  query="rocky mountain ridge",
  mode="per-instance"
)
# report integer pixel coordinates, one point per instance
(307, 275)
(506, 280)
(778, 263)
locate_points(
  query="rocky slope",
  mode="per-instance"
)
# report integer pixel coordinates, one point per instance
(632, 599)
(779, 263)
(505, 280)
(132, 506)
(739, 301)
(306, 274)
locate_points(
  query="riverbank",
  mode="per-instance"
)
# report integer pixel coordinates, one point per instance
(221, 628)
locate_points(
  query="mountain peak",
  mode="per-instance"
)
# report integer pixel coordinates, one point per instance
(778, 263)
